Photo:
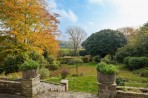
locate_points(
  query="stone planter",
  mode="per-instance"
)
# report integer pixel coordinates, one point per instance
(106, 78)
(107, 85)
(30, 74)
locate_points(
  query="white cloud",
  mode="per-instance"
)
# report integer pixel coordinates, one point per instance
(132, 12)
(64, 14)
(129, 12)
(70, 15)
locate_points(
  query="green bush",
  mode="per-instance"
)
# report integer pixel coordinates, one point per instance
(83, 52)
(1, 69)
(85, 59)
(133, 63)
(12, 62)
(96, 59)
(65, 52)
(120, 81)
(39, 58)
(107, 59)
(53, 64)
(144, 61)
(50, 59)
(64, 73)
(106, 68)
(126, 61)
(70, 62)
(44, 73)
(28, 65)
(65, 60)
(123, 52)
(53, 67)
(76, 61)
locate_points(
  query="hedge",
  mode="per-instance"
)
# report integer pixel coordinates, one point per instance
(133, 63)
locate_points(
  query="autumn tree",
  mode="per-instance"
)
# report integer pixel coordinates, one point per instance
(30, 26)
(129, 32)
(76, 35)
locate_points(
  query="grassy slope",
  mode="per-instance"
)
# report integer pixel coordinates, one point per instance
(88, 82)
(131, 78)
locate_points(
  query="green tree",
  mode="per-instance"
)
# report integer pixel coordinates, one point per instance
(137, 46)
(104, 42)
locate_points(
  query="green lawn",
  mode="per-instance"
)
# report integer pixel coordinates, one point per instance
(87, 82)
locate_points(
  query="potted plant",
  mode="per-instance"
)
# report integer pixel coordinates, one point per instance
(29, 69)
(106, 73)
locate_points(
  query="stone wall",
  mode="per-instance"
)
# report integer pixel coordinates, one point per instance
(10, 87)
(128, 94)
(30, 87)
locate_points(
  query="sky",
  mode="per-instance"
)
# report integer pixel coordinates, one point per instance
(96, 15)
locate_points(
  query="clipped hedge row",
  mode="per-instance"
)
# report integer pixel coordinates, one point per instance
(133, 63)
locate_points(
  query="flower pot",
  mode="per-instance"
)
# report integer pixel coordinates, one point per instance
(30, 74)
(106, 78)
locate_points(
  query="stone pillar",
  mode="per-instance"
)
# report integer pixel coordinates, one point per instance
(65, 82)
(107, 90)
(30, 87)
(107, 85)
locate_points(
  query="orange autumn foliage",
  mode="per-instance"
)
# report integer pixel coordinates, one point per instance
(30, 23)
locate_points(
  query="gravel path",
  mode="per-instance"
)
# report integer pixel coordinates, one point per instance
(56, 95)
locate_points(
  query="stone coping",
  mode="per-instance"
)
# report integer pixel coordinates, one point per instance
(9, 81)
(143, 90)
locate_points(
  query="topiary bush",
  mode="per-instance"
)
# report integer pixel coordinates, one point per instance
(106, 68)
(76, 62)
(44, 73)
(28, 65)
